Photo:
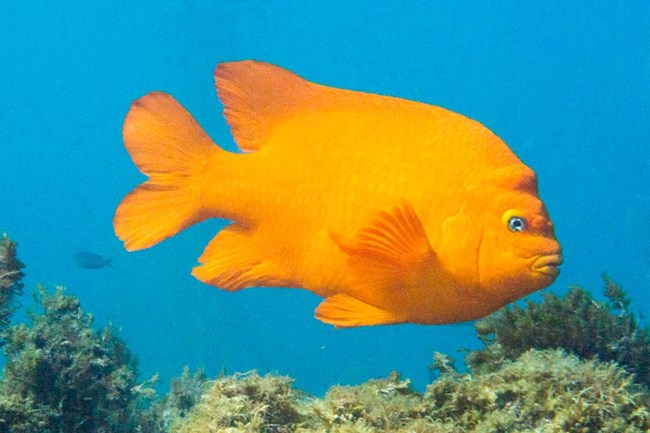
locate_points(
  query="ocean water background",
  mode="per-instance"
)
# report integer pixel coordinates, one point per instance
(565, 84)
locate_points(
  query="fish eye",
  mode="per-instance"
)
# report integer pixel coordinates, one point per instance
(516, 224)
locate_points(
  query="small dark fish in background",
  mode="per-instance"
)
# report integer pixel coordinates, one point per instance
(87, 260)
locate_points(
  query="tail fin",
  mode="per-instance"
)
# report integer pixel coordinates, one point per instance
(169, 146)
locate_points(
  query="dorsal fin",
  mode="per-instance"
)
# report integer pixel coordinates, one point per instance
(258, 95)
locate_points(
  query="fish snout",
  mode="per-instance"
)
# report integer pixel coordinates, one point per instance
(548, 264)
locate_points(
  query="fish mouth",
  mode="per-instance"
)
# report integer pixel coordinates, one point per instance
(548, 264)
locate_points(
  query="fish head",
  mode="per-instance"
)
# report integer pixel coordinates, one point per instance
(518, 252)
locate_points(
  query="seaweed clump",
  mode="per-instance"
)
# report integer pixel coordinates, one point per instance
(605, 330)
(63, 376)
(10, 279)
(243, 403)
(185, 392)
(377, 405)
(540, 391)
(545, 390)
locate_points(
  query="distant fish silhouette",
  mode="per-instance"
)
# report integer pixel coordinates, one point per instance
(87, 260)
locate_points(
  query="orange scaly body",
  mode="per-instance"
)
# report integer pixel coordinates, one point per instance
(394, 211)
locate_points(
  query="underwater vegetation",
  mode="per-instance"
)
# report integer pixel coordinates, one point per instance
(247, 402)
(185, 392)
(605, 330)
(565, 364)
(61, 375)
(10, 279)
(548, 391)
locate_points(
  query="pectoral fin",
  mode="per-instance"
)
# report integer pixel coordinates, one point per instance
(391, 252)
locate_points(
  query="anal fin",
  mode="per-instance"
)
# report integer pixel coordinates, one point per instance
(344, 311)
(233, 261)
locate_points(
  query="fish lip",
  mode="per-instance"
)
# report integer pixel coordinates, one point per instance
(548, 264)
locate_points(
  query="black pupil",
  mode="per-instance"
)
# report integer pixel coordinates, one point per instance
(516, 224)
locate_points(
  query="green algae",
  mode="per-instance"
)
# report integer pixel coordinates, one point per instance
(244, 403)
(185, 392)
(61, 375)
(606, 330)
(383, 404)
(10, 279)
(549, 391)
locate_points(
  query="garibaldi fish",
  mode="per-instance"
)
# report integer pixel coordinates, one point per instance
(394, 211)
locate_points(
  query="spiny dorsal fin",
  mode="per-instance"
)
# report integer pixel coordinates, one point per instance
(257, 96)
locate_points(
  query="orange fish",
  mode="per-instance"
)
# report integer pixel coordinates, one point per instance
(394, 211)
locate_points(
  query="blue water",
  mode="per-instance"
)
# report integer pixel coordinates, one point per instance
(566, 84)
